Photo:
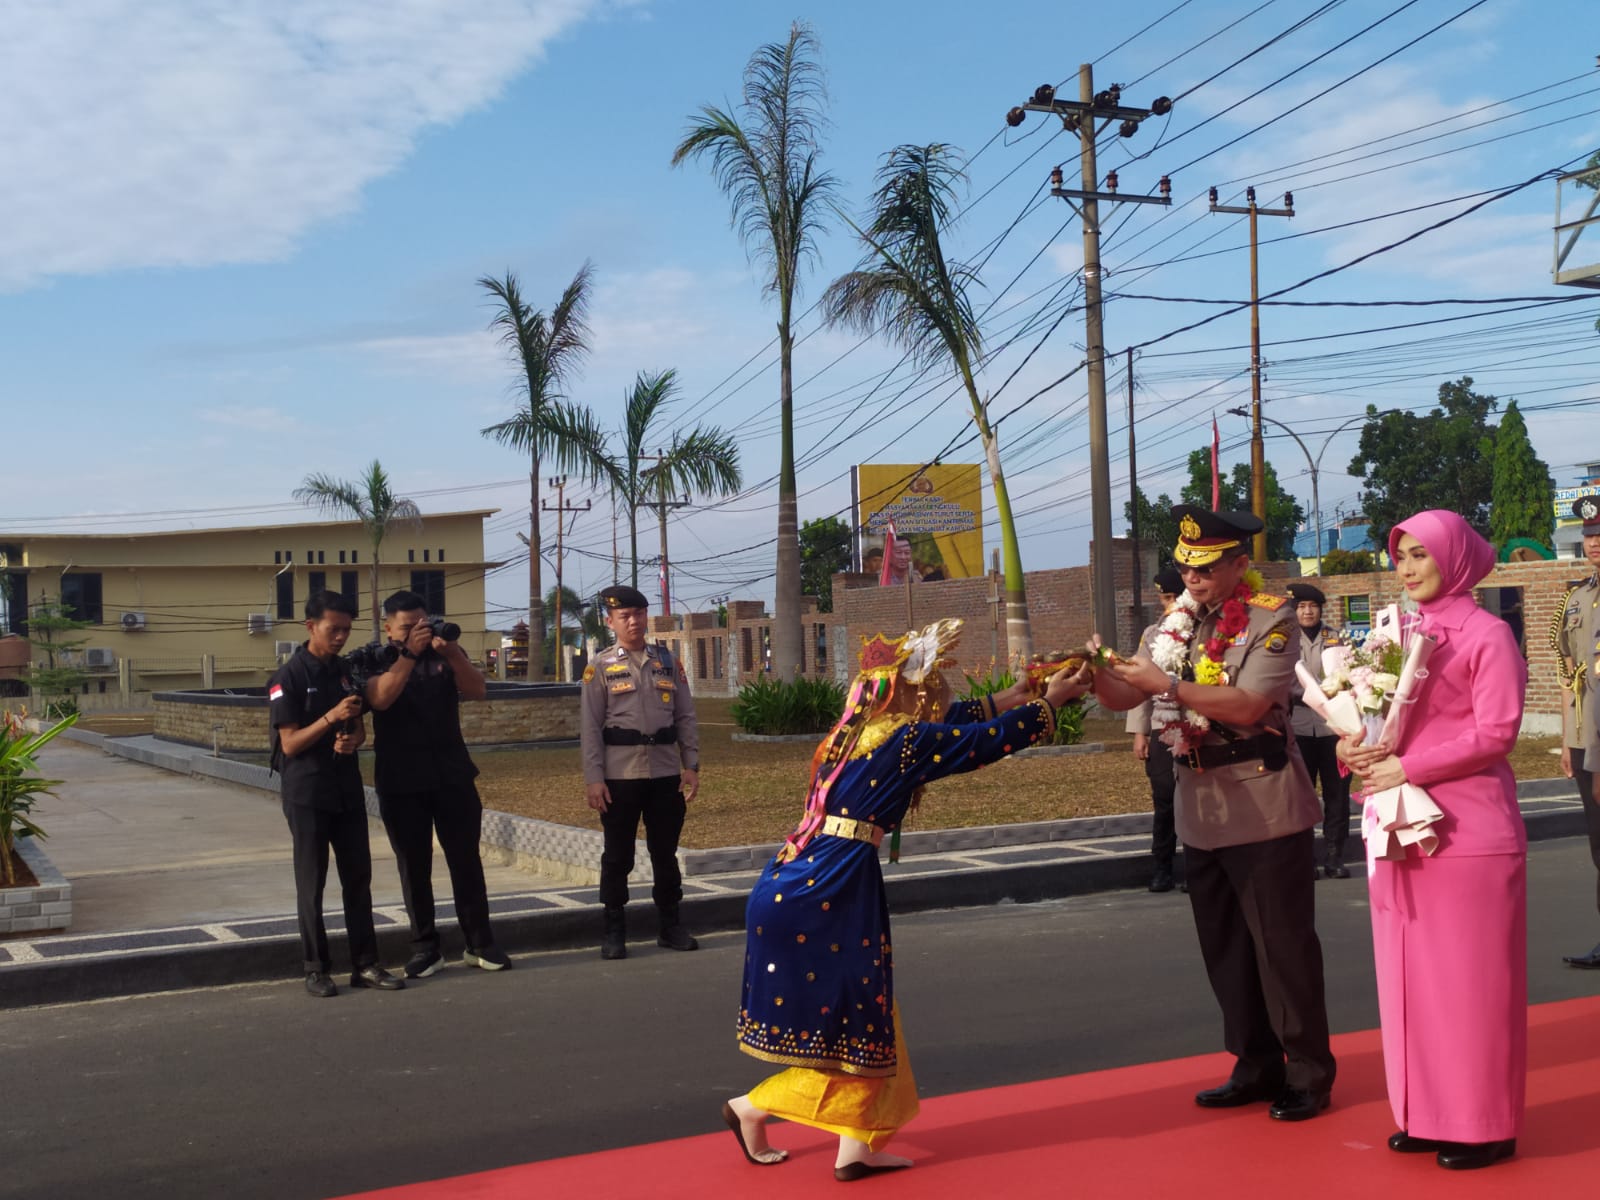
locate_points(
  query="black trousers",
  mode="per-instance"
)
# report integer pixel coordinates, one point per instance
(662, 806)
(1163, 790)
(314, 831)
(456, 814)
(1254, 910)
(1323, 765)
(1591, 814)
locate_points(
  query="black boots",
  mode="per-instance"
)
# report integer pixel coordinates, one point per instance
(614, 944)
(673, 935)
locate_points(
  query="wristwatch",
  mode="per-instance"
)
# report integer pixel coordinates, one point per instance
(1171, 694)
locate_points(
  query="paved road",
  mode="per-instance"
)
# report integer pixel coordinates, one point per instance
(258, 1091)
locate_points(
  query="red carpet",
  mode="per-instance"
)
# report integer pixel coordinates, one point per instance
(1134, 1131)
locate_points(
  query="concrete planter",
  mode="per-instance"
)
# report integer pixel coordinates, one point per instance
(33, 909)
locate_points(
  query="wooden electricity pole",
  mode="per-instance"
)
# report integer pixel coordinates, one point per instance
(561, 508)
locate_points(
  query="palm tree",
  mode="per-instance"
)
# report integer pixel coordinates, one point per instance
(369, 500)
(576, 617)
(906, 290)
(767, 167)
(547, 352)
(702, 461)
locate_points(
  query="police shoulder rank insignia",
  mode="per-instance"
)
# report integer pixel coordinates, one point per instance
(1277, 640)
(1269, 602)
(588, 673)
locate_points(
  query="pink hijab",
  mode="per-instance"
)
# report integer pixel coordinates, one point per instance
(1463, 556)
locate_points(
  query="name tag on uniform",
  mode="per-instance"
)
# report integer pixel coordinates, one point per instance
(665, 681)
(615, 669)
(618, 687)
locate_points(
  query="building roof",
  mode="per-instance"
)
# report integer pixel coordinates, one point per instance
(13, 536)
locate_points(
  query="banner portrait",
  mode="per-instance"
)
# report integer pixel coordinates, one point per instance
(937, 513)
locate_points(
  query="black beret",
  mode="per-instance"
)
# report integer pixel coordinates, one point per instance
(622, 596)
(1305, 593)
(1205, 536)
(1169, 581)
(1587, 510)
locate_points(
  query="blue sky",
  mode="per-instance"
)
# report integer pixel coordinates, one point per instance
(239, 240)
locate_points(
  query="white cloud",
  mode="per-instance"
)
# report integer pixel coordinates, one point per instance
(254, 419)
(195, 132)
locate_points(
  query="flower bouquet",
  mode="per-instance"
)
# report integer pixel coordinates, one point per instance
(1368, 689)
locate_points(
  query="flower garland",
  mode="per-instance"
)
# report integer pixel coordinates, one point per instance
(1182, 728)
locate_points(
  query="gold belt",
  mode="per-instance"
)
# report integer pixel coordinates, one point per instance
(860, 831)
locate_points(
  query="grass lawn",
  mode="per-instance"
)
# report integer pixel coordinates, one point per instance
(751, 793)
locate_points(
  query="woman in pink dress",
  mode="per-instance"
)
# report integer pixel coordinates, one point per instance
(1449, 931)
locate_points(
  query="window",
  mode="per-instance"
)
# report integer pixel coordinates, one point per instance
(441, 555)
(317, 581)
(822, 649)
(311, 556)
(411, 556)
(80, 597)
(430, 586)
(14, 604)
(277, 557)
(341, 556)
(716, 658)
(355, 556)
(322, 557)
(285, 583)
(349, 587)
(425, 554)
(700, 657)
(747, 660)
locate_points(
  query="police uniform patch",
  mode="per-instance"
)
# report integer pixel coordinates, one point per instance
(588, 673)
(666, 697)
(621, 687)
(1276, 641)
(1269, 602)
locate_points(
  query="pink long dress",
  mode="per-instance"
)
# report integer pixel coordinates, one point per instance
(1450, 932)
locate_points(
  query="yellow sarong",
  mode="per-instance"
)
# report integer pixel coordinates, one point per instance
(870, 1109)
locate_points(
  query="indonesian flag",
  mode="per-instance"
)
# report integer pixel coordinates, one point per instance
(276, 693)
(885, 574)
(666, 601)
(1216, 480)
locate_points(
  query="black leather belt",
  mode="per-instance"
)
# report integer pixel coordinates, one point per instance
(612, 735)
(1268, 747)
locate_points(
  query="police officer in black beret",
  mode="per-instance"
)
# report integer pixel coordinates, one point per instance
(1576, 638)
(1318, 742)
(1156, 755)
(1219, 671)
(641, 758)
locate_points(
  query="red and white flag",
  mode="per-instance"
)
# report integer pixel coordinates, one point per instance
(1216, 478)
(276, 692)
(886, 574)
(666, 600)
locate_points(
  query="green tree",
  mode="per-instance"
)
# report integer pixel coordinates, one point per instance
(369, 500)
(547, 352)
(1441, 459)
(1157, 528)
(906, 290)
(766, 164)
(824, 550)
(579, 620)
(1522, 486)
(704, 461)
(1340, 561)
(56, 678)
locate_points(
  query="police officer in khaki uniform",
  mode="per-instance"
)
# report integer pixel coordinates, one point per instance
(1577, 639)
(1317, 742)
(1155, 754)
(641, 757)
(1245, 814)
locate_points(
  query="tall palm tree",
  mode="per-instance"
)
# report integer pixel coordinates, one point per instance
(767, 167)
(578, 620)
(703, 461)
(546, 427)
(905, 289)
(369, 500)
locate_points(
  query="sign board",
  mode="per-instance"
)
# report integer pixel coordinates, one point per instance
(938, 509)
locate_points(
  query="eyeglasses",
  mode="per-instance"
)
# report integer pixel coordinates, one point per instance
(1205, 572)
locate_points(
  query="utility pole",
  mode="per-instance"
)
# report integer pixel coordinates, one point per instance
(1133, 502)
(560, 507)
(1258, 456)
(1088, 117)
(661, 503)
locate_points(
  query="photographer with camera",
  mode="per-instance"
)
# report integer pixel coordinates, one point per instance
(414, 684)
(316, 731)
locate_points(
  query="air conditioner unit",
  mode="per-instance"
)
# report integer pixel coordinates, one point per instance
(257, 623)
(283, 648)
(96, 656)
(132, 622)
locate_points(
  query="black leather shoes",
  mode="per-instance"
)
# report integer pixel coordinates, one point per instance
(1589, 961)
(1403, 1143)
(1236, 1095)
(1472, 1155)
(1336, 870)
(1161, 881)
(319, 984)
(423, 963)
(491, 958)
(1297, 1104)
(376, 977)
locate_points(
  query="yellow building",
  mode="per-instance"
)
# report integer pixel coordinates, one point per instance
(221, 607)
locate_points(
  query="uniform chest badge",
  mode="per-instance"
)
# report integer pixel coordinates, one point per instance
(1277, 640)
(666, 697)
(621, 687)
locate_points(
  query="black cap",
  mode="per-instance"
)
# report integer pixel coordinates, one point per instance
(1205, 536)
(1169, 581)
(622, 596)
(1305, 593)
(1587, 510)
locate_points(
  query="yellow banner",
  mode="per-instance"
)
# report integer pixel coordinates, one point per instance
(938, 510)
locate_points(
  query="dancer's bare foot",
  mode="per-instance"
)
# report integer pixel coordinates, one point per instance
(749, 1125)
(856, 1161)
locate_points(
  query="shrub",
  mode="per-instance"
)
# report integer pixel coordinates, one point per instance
(20, 789)
(1069, 717)
(771, 706)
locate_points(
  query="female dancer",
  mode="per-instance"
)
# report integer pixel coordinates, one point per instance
(1455, 1024)
(818, 992)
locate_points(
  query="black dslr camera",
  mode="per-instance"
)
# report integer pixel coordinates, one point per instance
(364, 662)
(448, 630)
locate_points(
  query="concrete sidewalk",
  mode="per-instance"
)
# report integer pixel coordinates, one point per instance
(180, 880)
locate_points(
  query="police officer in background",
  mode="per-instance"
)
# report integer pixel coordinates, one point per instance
(1318, 742)
(316, 731)
(1155, 754)
(1245, 813)
(424, 777)
(1577, 637)
(641, 757)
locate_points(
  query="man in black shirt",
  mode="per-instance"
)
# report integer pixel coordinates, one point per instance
(316, 731)
(424, 778)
